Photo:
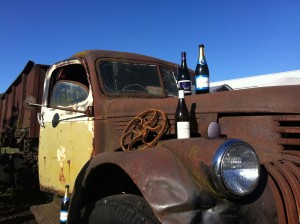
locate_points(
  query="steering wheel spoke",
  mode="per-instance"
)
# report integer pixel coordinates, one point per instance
(134, 87)
(147, 127)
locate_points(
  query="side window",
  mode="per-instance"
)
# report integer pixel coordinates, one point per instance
(68, 93)
(69, 86)
(169, 80)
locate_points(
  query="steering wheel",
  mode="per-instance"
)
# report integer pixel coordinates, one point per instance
(148, 127)
(135, 86)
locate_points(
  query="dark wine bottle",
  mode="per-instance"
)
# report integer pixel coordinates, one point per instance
(184, 78)
(182, 117)
(65, 206)
(201, 73)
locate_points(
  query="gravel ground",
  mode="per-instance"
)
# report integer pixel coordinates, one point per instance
(15, 204)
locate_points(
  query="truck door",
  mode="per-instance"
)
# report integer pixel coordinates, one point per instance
(66, 136)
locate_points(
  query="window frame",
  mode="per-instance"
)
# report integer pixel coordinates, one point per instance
(52, 80)
(158, 66)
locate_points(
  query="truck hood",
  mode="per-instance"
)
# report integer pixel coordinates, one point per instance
(266, 100)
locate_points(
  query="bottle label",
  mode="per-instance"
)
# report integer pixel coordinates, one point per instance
(63, 216)
(185, 85)
(202, 61)
(202, 82)
(66, 199)
(183, 129)
(181, 94)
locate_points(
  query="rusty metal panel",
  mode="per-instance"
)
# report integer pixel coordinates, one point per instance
(3, 112)
(15, 96)
(20, 97)
(293, 181)
(1, 106)
(177, 196)
(250, 115)
(280, 207)
(14, 118)
(262, 137)
(288, 190)
(63, 151)
(288, 129)
(66, 138)
(10, 108)
(35, 82)
(47, 213)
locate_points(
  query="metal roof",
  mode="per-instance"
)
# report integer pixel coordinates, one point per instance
(275, 79)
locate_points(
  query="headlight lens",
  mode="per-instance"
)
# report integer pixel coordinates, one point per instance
(235, 168)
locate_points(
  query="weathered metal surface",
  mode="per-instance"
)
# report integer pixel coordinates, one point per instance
(13, 117)
(251, 115)
(174, 177)
(242, 102)
(63, 151)
(66, 140)
(175, 180)
(47, 213)
(288, 128)
(288, 188)
(293, 181)
(166, 192)
(280, 207)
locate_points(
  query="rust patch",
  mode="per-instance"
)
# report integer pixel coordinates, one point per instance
(61, 145)
(61, 175)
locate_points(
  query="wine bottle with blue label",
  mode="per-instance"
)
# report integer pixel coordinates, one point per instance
(65, 206)
(201, 73)
(184, 78)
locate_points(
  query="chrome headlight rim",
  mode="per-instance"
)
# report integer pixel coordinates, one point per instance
(217, 168)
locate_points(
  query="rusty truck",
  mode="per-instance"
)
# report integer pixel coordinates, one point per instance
(103, 123)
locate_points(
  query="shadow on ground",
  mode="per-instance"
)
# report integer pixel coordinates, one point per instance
(15, 204)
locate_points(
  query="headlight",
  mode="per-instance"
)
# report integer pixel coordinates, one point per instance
(235, 168)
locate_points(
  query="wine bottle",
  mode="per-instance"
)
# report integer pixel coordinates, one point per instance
(65, 206)
(184, 78)
(201, 73)
(182, 118)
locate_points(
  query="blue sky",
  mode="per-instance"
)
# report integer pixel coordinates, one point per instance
(241, 37)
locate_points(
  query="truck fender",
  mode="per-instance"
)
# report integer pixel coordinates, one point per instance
(172, 194)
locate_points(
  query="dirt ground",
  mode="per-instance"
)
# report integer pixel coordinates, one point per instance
(15, 204)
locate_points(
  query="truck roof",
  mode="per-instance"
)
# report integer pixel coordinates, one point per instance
(94, 54)
(26, 70)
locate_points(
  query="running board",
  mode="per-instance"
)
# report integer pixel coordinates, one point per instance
(47, 213)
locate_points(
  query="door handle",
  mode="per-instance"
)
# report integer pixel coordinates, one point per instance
(40, 118)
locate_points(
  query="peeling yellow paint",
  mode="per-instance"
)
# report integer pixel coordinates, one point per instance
(61, 156)
(63, 151)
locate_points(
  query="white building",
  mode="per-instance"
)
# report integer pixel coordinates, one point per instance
(275, 79)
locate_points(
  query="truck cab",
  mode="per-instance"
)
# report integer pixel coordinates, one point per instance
(77, 107)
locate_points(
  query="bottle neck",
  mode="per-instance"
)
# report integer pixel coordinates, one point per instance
(66, 196)
(201, 58)
(183, 60)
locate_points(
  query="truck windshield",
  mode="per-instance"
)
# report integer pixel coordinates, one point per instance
(135, 79)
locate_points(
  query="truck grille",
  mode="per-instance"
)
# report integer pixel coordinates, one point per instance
(288, 128)
(284, 174)
(284, 182)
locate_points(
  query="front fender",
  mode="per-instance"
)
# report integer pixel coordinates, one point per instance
(174, 179)
(161, 177)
